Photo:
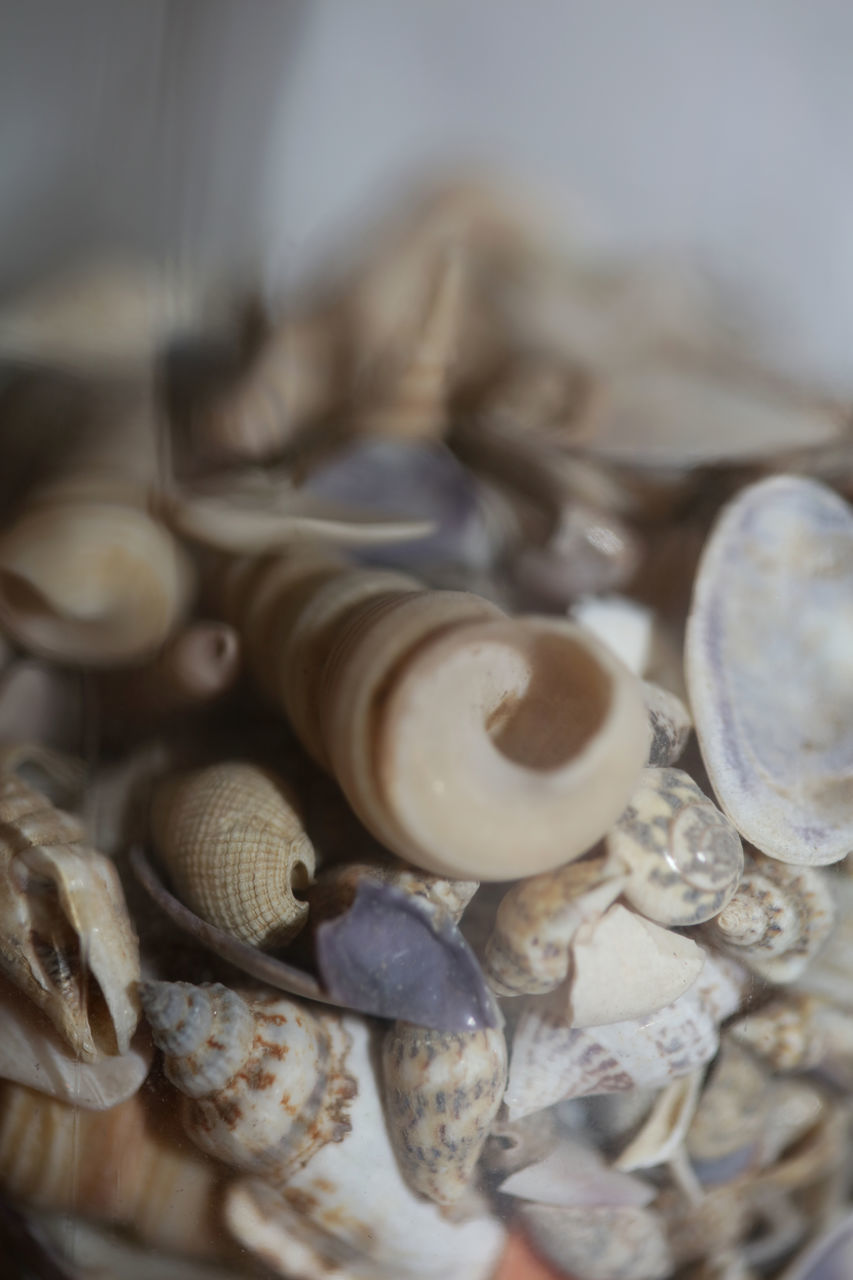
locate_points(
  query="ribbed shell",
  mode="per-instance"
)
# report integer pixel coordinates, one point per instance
(206, 1033)
(233, 843)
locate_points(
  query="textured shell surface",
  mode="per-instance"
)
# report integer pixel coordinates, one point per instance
(234, 845)
(442, 1092)
(610, 1243)
(785, 1033)
(671, 724)
(288, 1087)
(778, 920)
(349, 1213)
(768, 667)
(66, 939)
(528, 951)
(685, 858)
(552, 1060)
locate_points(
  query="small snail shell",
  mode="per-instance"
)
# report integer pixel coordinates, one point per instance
(235, 847)
(119, 1166)
(786, 1033)
(777, 921)
(446, 724)
(287, 1092)
(91, 583)
(684, 857)
(66, 939)
(528, 951)
(442, 1091)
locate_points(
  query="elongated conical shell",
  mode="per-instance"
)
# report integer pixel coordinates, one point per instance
(120, 1166)
(286, 1091)
(442, 1092)
(234, 845)
(471, 744)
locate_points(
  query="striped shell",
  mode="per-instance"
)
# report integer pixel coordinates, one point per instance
(234, 845)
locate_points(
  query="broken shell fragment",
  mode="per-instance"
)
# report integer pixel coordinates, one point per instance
(435, 694)
(528, 951)
(442, 1092)
(625, 967)
(279, 1093)
(778, 920)
(66, 939)
(600, 1243)
(767, 656)
(233, 842)
(684, 857)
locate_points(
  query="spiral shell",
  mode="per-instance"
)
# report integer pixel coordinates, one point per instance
(282, 1091)
(120, 1166)
(684, 857)
(409, 695)
(529, 949)
(65, 935)
(778, 919)
(442, 1092)
(235, 847)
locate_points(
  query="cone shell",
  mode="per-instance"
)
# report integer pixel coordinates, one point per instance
(233, 842)
(442, 1092)
(91, 583)
(684, 857)
(121, 1166)
(66, 939)
(286, 1092)
(436, 694)
(778, 920)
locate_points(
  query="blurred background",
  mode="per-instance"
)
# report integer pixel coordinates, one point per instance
(254, 133)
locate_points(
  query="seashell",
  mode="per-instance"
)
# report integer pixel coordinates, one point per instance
(767, 679)
(95, 1252)
(91, 583)
(33, 1054)
(778, 919)
(120, 1166)
(514, 1144)
(413, 404)
(588, 552)
(610, 1243)
(684, 858)
(574, 1174)
(332, 1221)
(665, 414)
(335, 887)
(796, 1109)
(65, 936)
(665, 1127)
(830, 1257)
(195, 667)
(785, 1034)
(552, 1060)
(625, 626)
(828, 973)
(233, 842)
(541, 715)
(732, 1113)
(529, 949)
(671, 725)
(625, 967)
(39, 703)
(442, 1092)
(283, 1089)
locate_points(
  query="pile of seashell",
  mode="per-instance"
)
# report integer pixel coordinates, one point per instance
(367, 897)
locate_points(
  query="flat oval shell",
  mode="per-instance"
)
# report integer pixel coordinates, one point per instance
(769, 666)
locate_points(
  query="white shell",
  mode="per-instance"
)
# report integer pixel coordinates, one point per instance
(769, 667)
(601, 1243)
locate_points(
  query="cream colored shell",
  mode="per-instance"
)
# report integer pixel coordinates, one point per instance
(472, 744)
(233, 843)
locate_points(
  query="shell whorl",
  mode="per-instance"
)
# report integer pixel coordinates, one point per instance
(235, 848)
(186, 1021)
(444, 722)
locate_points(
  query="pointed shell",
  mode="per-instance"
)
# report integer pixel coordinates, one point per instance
(778, 920)
(684, 857)
(91, 583)
(235, 848)
(442, 1092)
(287, 1089)
(767, 655)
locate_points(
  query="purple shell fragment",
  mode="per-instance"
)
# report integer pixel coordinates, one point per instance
(399, 956)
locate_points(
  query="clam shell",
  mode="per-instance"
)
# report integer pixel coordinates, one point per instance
(442, 1092)
(233, 842)
(684, 857)
(767, 655)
